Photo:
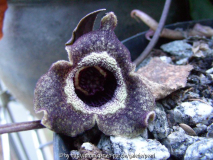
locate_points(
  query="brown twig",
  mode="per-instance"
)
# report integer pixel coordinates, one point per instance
(153, 24)
(156, 35)
(197, 30)
(196, 99)
(22, 126)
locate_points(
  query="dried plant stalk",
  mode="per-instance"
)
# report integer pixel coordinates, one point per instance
(156, 34)
(22, 126)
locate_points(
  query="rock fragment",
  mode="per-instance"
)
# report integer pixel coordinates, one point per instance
(200, 150)
(138, 148)
(159, 127)
(105, 144)
(194, 112)
(178, 48)
(200, 129)
(178, 141)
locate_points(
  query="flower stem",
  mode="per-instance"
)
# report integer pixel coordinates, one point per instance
(22, 126)
(156, 35)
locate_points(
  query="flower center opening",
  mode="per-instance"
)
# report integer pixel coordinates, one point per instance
(94, 85)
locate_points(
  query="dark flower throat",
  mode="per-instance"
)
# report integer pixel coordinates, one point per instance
(94, 85)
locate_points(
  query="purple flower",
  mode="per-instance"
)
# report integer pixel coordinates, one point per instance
(96, 86)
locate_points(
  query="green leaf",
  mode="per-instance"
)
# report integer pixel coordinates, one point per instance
(201, 9)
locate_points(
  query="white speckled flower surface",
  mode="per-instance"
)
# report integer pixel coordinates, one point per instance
(96, 86)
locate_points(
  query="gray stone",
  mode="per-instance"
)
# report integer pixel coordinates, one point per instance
(159, 127)
(182, 61)
(105, 145)
(178, 141)
(200, 150)
(210, 131)
(200, 129)
(138, 148)
(205, 80)
(209, 71)
(178, 48)
(192, 113)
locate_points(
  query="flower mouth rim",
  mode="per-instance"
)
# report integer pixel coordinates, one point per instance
(77, 74)
(104, 60)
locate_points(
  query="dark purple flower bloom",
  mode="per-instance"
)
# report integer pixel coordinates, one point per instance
(97, 86)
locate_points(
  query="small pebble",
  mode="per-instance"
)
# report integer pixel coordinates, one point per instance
(182, 61)
(209, 71)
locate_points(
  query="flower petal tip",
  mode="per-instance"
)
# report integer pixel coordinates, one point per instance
(109, 22)
(150, 116)
(84, 26)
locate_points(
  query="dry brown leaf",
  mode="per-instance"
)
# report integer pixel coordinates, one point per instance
(201, 30)
(162, 78)
(3, 7)
(200, 49)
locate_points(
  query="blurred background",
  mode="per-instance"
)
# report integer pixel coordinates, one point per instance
(34, 37)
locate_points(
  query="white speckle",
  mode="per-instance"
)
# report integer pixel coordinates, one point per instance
(166, 59)
(87, 146)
